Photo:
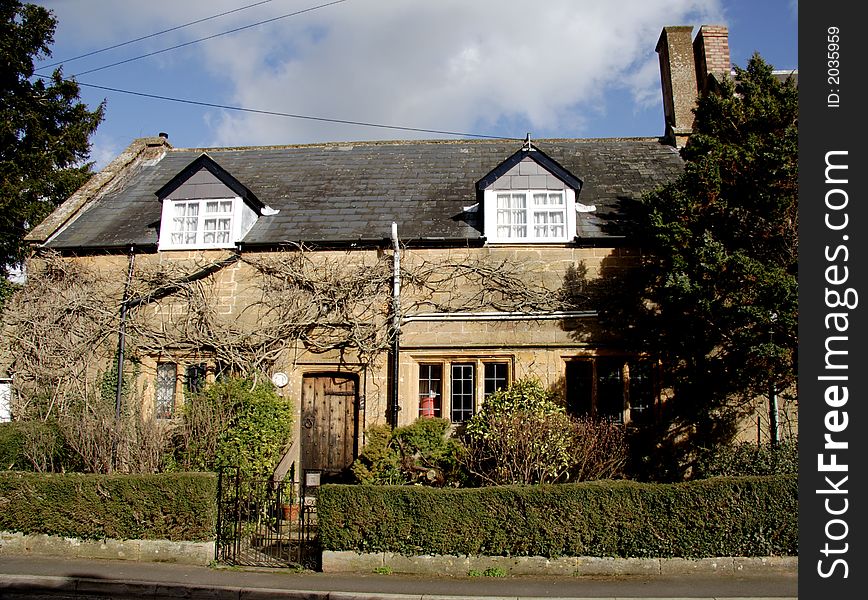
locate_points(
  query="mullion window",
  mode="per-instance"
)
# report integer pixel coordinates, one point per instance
(610, 389)
(164, 401)
(597, 387)
(495, 377)
(463, 388)
(195, 377)
(512, 215)
(430, 389)
(641, 391)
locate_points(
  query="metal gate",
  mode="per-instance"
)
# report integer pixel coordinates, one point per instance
(267, 523)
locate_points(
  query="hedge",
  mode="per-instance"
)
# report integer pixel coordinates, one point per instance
(176, 506)
(744, 516)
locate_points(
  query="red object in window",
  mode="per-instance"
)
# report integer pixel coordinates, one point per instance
(426, 406)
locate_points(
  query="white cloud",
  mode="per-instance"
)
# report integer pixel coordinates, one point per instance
(104, 149)
(454, 65)
(448, 65)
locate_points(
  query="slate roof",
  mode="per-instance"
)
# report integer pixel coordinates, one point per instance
(351, 192)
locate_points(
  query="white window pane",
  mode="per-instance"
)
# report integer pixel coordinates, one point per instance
(223, 224)
(211, 207)
(208, 237)
(210, 224)
(222, 237)
(180, 209)
(192, 209)
(226, 206)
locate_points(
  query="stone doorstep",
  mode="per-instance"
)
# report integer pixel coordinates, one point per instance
(354, 562)
(191, 553)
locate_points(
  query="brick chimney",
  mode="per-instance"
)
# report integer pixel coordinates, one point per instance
(711, 55)
(688, 68)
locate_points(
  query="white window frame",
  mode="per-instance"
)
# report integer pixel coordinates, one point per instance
(493, 223)
(168, 223)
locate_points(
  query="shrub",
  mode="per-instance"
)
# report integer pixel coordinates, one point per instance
(422, 452)
(747, 458)
(35, 446)
(522, 435)
(11, 447)
(378, 462)
(105, 444)
(236, 422)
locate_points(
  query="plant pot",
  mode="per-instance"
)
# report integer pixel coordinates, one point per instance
(289, 512)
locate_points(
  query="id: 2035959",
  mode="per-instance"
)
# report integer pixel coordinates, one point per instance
(833, 66)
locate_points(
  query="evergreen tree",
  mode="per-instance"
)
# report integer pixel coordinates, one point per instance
(721, 301)
(44, 130)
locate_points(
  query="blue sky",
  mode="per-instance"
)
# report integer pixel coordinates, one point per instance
(559, 68)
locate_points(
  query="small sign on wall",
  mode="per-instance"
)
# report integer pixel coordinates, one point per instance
(5, 400)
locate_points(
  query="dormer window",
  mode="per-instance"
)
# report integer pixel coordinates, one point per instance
(529, 198)
(206, 207)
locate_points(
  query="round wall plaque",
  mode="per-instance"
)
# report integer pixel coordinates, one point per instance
(279, 379)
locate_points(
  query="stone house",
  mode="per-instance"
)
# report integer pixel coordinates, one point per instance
(378, 281)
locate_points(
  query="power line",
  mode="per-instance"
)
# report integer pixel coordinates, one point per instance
(291, 115)
(145, 37)
(210, 37)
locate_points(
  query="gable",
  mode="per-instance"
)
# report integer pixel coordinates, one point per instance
(205, 175)
(529, 161)
(201, 185)
(528, 174)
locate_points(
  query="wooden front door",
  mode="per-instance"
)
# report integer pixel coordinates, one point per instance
(328, 422)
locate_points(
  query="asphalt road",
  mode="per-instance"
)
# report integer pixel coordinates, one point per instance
(41, 577)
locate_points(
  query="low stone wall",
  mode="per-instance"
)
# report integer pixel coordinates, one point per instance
(191, 553)
(353, 562)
